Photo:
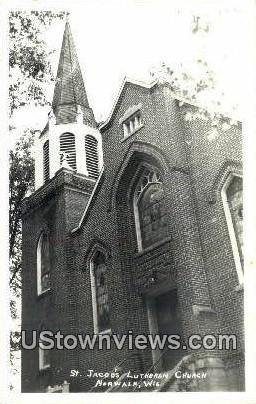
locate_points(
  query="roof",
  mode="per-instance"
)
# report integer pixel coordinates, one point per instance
(69, 86)
(174, 95)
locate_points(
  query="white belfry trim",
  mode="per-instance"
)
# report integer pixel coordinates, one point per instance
(80, 131)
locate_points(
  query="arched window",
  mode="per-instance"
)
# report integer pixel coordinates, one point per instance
(46, 164)
(100, 298)
(68, 148)
(43, 264)
(92, 158)
(44, 354)
(232, 195)
(149, 209)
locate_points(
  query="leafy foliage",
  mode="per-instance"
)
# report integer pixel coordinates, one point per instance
(29, 63)
(21, 183)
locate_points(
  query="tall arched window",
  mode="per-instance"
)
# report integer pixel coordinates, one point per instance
(44, 354)
(68, 147)
(43, 264)
(149, 209)
(232, 194)
(46, 164)
(92, 158)
(100, 297)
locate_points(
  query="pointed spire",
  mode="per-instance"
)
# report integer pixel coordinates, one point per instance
(69, 91)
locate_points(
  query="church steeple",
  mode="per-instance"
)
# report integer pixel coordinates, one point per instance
(71, 139)
(70, 96)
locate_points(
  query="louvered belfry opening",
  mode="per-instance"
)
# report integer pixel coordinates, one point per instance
(68, 147)
(46, 163)
(92, 158)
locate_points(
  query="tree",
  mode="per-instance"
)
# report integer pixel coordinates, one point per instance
(195, 84)
(29, 62)
(21, 181)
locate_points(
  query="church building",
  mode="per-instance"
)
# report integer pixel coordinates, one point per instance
(134, 228)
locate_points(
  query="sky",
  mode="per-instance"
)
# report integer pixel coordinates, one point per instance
(131, 37)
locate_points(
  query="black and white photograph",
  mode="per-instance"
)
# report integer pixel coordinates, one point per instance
(127, 159)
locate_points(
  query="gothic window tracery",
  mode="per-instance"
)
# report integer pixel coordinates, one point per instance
(150, 212)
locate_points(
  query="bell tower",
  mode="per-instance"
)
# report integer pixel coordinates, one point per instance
(70, 138)
(68, 162)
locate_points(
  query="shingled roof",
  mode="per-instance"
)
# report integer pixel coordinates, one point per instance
(69, 91)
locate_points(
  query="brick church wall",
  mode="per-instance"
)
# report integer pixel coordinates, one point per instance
(209, 161)
(207, 276)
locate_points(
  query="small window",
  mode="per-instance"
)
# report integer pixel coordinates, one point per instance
(68, 148)
(132, 124)
(149, 209)
(92, 158)
(43, 264)
(100, 297)
(44, 355)
(46, 164)
(232, 195)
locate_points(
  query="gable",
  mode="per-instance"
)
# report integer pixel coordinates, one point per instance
(125, 86)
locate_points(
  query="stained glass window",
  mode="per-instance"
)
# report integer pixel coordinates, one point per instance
(102, 299)
(151, 212)
(43, 263)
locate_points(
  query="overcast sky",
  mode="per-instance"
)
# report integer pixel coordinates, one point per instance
(128, 38)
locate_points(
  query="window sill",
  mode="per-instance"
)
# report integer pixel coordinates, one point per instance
(105, 332)
(109, 331)
(132, 133)
(153, 246)
(44, 293)
(45, 369)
